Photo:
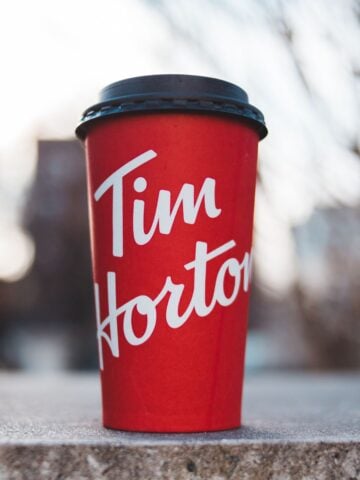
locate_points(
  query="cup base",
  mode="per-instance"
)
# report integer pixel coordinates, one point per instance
(172, 426)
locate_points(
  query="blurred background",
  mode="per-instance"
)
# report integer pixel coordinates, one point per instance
(299, 60)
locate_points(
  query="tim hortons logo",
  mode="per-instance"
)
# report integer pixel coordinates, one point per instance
(171, 292)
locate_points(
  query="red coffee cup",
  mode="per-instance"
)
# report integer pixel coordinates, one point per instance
(171, 163)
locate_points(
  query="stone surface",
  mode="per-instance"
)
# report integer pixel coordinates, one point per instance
(295, 426)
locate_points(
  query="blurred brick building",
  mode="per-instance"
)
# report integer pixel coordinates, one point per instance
(48, 315)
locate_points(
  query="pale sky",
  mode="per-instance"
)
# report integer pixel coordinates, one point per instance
(55, 56)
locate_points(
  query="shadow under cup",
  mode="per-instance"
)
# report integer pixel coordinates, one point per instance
(171, 166)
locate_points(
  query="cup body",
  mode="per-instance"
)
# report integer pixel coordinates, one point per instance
(171, 198)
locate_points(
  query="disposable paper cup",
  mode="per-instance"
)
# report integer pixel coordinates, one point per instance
(171, 164)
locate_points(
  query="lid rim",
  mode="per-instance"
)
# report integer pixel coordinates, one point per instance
(83, 127)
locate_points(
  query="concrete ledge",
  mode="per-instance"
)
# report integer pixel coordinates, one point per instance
(296, 426)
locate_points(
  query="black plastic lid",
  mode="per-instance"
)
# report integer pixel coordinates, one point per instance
(169, 93)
